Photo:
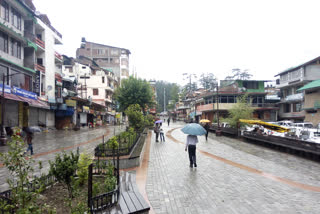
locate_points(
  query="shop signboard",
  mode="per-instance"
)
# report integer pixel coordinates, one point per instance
(118, 115)
(7, 89)
(24, 93)
(37, 83)
(72, 103)
(51, 100)
(85, 109)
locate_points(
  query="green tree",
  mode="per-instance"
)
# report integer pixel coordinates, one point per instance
(135, 117)
(238, 74)
(206, 80)
(172, 93)
(134, 91)
(241, 110)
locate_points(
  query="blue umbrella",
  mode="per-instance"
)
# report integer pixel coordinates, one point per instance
(194, 129)
(158, 121)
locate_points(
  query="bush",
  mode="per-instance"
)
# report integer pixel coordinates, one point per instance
(135, 116)
(64, 168)
(20, 169)
(84, 161)
(149, 120)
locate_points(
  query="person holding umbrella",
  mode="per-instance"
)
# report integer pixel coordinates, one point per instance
(28, 139)
(156, 130)
(192, 129)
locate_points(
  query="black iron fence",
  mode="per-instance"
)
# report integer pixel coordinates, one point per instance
(107, 200)
(126, 144)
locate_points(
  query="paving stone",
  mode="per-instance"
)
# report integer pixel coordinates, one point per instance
(217, 187)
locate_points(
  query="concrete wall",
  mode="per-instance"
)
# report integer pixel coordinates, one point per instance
(310, 99)
(312, 72)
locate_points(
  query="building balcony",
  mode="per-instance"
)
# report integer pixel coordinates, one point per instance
(39, 67)
(207, 107)
(109, 88)
(263, 105)
(108, 99)
(58, 57)
(293, 98)
(40, 43)
(290, 115)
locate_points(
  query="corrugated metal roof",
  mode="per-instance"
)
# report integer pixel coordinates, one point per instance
(313, 84)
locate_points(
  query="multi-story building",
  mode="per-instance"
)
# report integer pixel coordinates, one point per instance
(292, 101)
(218, 103)
(107, 57)
(27, 64)
(311, 92)
(93, 83)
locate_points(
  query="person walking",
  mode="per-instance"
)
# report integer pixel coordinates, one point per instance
(168, 121)
(206, 127)
(28, 140)
(162, 135)
(157, 131)
(192, 140)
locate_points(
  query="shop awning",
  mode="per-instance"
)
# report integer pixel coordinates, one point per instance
(35, 103)
(12, 97)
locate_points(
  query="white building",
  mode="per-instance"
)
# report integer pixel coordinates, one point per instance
(94, 83)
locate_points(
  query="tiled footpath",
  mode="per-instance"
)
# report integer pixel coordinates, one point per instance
(275, 182)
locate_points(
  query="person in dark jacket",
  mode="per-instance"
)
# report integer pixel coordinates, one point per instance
(206, 127)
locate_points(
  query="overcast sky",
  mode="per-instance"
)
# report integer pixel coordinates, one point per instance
(170, 37)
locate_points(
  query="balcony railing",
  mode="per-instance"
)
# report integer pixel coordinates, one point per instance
(294, 97)
(40, 68)
(40, 43)
(57, 55)
(263, 105)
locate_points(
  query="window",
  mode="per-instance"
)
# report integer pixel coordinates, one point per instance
(93, 72)
(4, 71)
(16, 19)
(95, 91)
(251, 84)
(111, 60)
(84, 67)
(43, 82)
(21, 80)
(224, 99)
(15, 48)
(286, 108)
(102, 79)
(4, 10)
(70, 70)
(296, 107)
(101, 51)
(3, 42)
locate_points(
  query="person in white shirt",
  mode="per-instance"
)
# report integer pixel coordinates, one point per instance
(192, 140)
(162, 135)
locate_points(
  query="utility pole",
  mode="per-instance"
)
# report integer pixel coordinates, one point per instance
(164, 100)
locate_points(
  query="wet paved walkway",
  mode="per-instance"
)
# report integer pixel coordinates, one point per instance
(47, 145)
(231, 177)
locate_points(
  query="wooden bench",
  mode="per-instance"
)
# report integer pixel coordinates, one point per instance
(131, 200)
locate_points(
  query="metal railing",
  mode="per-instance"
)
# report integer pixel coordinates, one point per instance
(105, 200)
(126, 145)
